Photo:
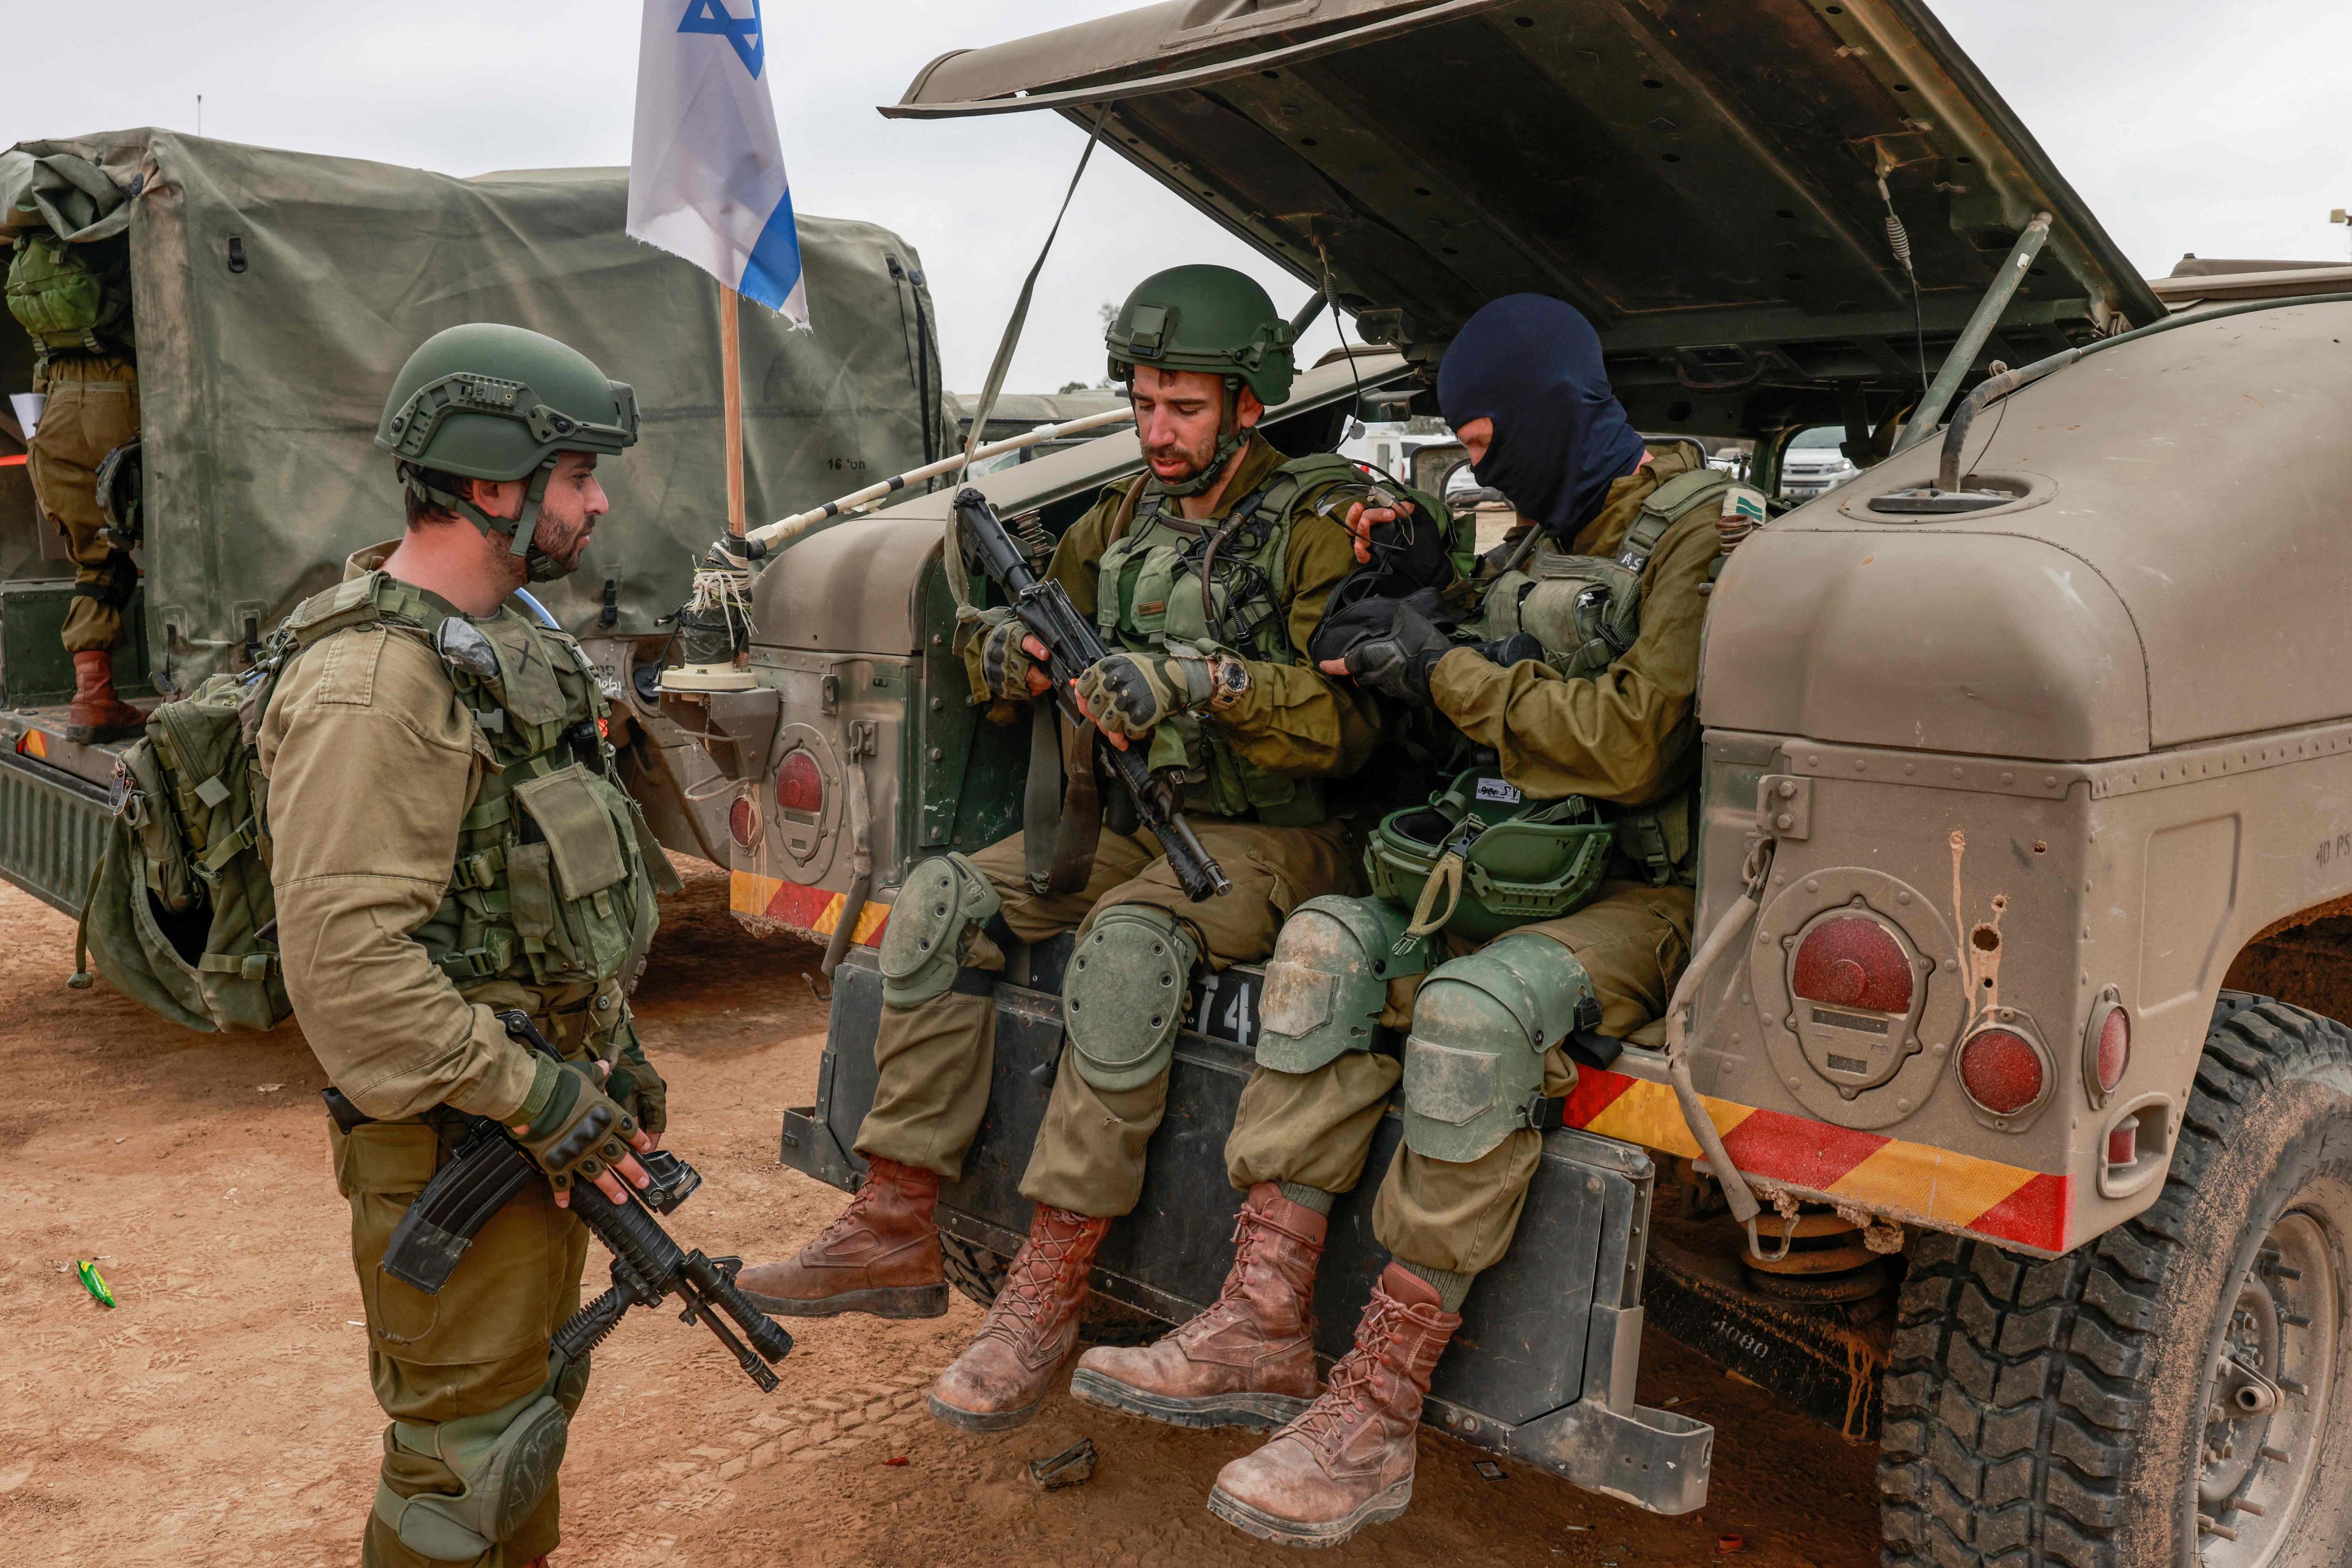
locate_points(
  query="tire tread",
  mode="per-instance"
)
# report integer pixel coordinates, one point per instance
(2013, 1388)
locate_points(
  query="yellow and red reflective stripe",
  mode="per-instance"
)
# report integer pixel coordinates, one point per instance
(1912, 1181)
(804, 909)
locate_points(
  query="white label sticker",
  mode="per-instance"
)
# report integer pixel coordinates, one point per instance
(1495, 789)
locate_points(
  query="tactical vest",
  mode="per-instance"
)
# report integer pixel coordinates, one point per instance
(1586, 611)
(551, 887)
(1150, 596)
(70, 301)
(553, 891)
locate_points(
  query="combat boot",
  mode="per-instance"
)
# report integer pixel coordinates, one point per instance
(1348, 1462)
(881, 1257)
(1001, 1378)
(1249, 1360)
(98, 714)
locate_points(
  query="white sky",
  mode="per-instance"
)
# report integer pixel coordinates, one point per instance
(2215, 126)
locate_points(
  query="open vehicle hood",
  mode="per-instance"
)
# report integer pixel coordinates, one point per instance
(1698, 176)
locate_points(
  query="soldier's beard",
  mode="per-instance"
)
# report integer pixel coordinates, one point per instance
(556, 550)
(1194, 458)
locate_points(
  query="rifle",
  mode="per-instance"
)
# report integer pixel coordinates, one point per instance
(1072, 644)
(488, 1168)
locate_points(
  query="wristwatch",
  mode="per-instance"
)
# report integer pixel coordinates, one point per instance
(1229, 682)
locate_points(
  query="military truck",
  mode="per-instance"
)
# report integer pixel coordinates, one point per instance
(276, 295)
(2024, 770)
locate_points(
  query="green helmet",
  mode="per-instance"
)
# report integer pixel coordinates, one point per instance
(490, 402)
(1211, 319)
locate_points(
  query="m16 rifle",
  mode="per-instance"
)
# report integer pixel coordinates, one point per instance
(1072, 644)
(488, 1168)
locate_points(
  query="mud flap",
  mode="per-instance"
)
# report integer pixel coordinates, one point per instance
(1543, 1369)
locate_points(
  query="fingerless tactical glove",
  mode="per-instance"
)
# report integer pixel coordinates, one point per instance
(1131, 694)
(1005, 663)
(573, 1128)
(1397, 663)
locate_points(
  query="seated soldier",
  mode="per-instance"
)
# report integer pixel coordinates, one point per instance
(1611, 720)
(1223, 665)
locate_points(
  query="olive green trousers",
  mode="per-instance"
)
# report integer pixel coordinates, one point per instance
(1315, 1127)
(936, 1058)
(481, 1344)
(92, 408)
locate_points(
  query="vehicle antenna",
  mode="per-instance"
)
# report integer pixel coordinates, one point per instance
(1898, 240)
(1331, 298)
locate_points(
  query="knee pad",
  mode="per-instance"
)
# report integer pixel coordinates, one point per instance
(922, 947)
(1123, 996)
(1328, 979)
(1481, 1027)
(506, 1459)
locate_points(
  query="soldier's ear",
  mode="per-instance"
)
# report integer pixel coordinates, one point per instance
(1247, 409)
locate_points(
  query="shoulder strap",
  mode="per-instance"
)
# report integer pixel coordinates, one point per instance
(1662, 509)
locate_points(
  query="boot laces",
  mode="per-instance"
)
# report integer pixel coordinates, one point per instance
(1025, 1300)
(1324, 1424)
(850, 1218)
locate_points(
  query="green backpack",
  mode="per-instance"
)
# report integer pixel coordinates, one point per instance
(62, 299)
(180, 913)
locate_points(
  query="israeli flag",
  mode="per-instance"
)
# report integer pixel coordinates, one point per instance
(706, 172)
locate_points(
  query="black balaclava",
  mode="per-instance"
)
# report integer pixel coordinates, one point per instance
(1532, 365)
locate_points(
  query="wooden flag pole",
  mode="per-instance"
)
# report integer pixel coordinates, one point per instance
(731, 372)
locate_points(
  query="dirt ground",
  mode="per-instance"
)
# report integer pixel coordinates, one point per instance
(220, 1415)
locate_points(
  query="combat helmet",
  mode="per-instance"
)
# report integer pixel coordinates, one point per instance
(1211, 319)
(484, 401)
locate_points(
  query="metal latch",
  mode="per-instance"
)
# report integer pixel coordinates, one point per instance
(864, 738)
(1784, 805)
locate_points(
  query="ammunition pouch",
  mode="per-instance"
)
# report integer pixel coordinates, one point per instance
(1508, 861)
(1328, 980)
(1481, 1024)
(945, 899)
(1660, 839)
(507, 1458)
(1123, 996)
(120, 486)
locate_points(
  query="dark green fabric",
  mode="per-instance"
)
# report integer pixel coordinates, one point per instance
(262, 388)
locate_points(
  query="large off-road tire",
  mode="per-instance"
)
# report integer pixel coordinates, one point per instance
(2080, 1410)
(978, 1271)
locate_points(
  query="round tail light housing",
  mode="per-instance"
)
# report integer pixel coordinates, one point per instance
(800, 787)
(2107, 1046)
(743, 823)
(1852, 961)
(2004, 1072)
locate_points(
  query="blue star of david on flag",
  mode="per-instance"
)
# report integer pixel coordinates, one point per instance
(705, 169)
(751, 40)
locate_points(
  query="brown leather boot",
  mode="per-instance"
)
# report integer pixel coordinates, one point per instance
(1001, 1380)
(98, 714)
(1348, 1462)
(881, 1257)
(1249, 1360)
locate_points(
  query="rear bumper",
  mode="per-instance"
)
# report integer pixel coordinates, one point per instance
(52, 830)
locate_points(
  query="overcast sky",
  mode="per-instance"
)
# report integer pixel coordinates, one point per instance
(2186, 124)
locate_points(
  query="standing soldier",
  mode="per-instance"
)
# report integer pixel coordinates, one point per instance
(1208, 574)
(449, 837)
(74, 300)
(1631, 542)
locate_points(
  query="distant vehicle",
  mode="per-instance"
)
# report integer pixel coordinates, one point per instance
(1813, 465)
(276, 295)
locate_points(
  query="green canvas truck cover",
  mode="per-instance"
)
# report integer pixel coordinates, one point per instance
(278, 293)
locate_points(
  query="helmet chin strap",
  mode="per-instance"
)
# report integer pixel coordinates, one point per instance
(1230, 437)
(521, 532)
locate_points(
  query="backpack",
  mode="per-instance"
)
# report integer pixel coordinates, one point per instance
(63, 297)
(180, 914)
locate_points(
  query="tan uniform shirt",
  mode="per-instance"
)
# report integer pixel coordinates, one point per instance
(1294, 719)
(373, 761)
(1629, 734)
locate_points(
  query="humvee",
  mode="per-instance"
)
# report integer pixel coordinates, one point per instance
(2027, 788)
(276, 293)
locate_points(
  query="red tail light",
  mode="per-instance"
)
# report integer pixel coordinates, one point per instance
(1853, 961)
(2123, 1143)
(744, 821)
(799, 785)
(2112, 1054)
(2002, 1071)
